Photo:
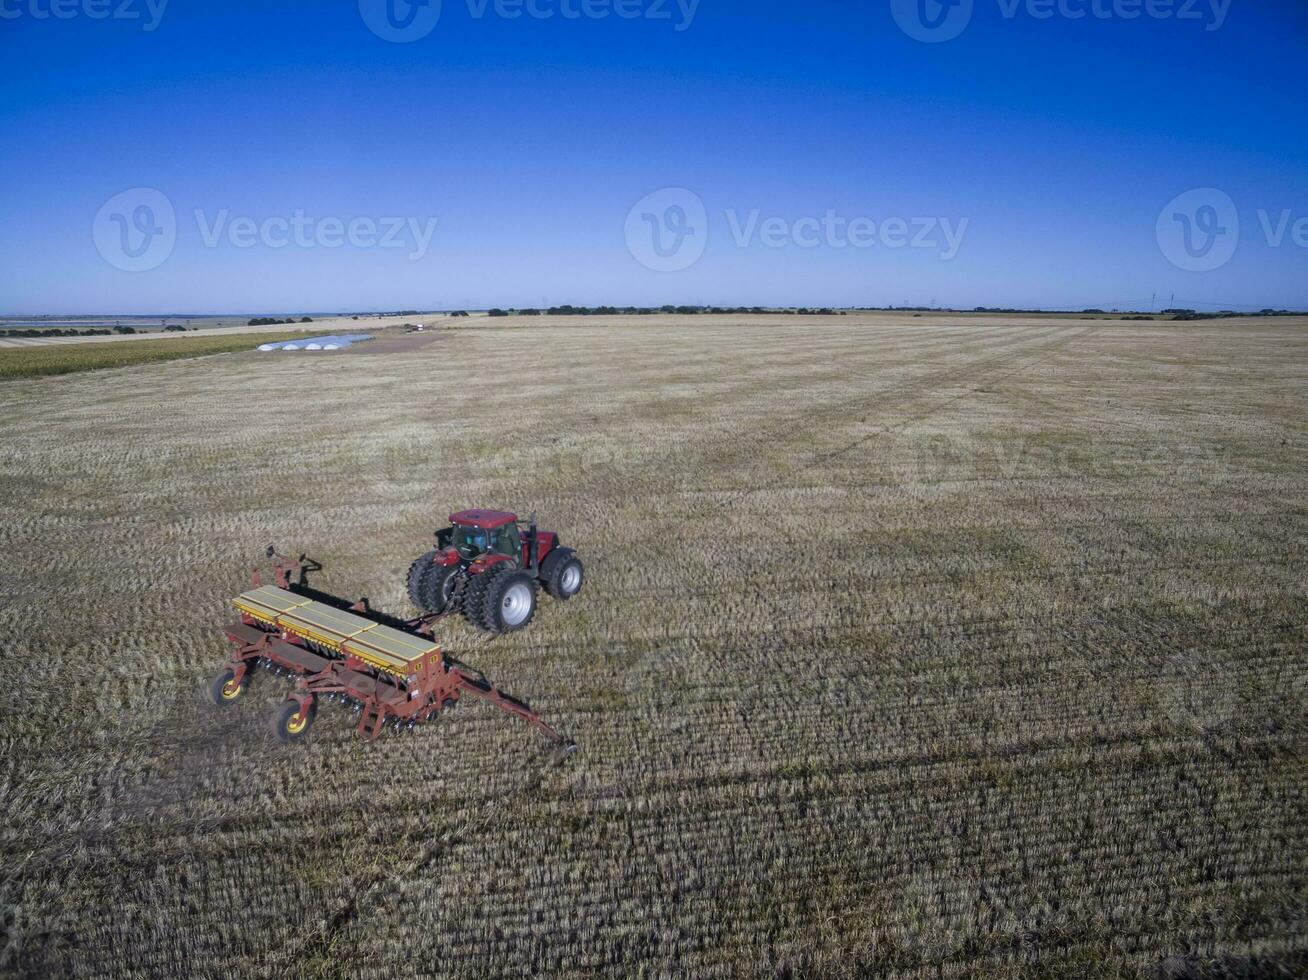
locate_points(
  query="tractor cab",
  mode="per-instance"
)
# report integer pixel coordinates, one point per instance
(473, 533)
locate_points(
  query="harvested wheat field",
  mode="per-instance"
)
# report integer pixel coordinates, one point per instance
(909, 647)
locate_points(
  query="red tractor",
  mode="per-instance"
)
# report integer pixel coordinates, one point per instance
(487, 565)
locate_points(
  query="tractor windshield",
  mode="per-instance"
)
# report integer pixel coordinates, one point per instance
(471, 541)
(505, 541)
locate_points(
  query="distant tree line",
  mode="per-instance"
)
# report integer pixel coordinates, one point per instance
(64, 331)
(1179, 314)
(269, 321)
(569, 310)
(81, 331)
(54, 332)
(1175, 313)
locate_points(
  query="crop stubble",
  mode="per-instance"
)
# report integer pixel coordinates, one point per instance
(907, 645)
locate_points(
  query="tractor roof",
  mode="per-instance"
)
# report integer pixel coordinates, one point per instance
(488, 519)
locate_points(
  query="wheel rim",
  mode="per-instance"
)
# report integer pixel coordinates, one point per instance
(571, 580)
(295, 724)
(516, 605)
(231, 691)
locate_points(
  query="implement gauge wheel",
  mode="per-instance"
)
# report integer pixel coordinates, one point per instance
(290, 723)
(225, 690)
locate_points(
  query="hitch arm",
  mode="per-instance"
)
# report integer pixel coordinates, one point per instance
(481, 688)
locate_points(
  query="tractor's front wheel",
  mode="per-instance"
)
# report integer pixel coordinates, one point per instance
(564, 578)
(225, 689)
(292, 723)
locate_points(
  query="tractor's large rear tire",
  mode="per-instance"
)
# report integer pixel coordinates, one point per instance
(474, 594)
(509, 602)
(416, 571)
(436, 588)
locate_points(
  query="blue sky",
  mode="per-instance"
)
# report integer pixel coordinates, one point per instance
(1033, 160)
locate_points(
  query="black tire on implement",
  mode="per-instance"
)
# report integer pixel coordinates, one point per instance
(289, 724)
(416, 572)
(221, 691)
(509, 602)
(436, 587)
(563, 576)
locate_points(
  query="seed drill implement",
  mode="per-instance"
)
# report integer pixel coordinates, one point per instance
(392, 674)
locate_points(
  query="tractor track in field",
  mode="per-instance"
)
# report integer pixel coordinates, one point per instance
(1005, 352)
(962, 578)
(743, 445)
(746, 444)
(1040, 357)
(987, 481)
(360, 903)
(1002, 623)
(1009, 344)
(867, 403)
